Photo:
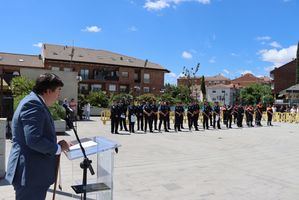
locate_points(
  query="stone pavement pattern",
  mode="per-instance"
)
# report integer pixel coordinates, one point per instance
(236, 164)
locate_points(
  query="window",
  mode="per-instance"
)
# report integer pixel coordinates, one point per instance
(146, 89)
(214, 91)
(223, 91)
(123, 88)
(96, 87)
(55, 68)
(146, 78)
(125, 74)
(83, 87)
(67, 69)
(84, 74)
(112, 87)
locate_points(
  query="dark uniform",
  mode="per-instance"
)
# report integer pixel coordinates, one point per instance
(258, 114)
(195, 115)
(210, 114)
(168, 116)
(250, 113)
(148, 118)
(139, 114)
(190, 116)
(240, 114)
(163, 110)
(269, 115)
(179, 111)
(205, 114)
(229, 116)
(114, 116)
(155, 114)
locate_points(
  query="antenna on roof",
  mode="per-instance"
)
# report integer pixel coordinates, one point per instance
(145, 63)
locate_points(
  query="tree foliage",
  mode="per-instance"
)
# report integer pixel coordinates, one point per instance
(203, 87)
(98, 99)
(176, 94)
(147, 97)
(122, 97)
(256, 93)
(21, 86)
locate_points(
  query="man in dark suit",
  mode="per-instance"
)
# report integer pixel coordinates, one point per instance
(32, 160)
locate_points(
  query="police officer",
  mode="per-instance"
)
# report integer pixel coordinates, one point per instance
(269, 115)
(240, 114)
(168, 115)
(216, 115)
(250, 111)
(177, 117)
(148, 118)
(258, 114)
(155, 114)
(229, 116)
(205, 114)
(139, 114)
(195, 115)
(190, 115)
(210, 109)
(114, 116)
(162, 116)
(123, 116)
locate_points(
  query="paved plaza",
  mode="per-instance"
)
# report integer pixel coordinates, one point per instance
(236, 164)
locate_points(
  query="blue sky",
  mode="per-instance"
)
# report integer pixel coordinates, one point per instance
(230, 37)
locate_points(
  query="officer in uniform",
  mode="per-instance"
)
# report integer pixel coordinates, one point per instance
(155, 114)
(148, 118)
(258, 114)
(216, 115)
(168, 116)
(195, 115)
(269, 115)
(206, 114)
(177, 117)
(210, 109)
(190, 116)
(162, 116)
(229, 116)
(114, 116)
(250, 112)
(240, 114)
(139, 114)
(123, 116)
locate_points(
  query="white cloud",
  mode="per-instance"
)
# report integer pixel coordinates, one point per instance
(234, 54)
(39, 45)
(278, 57)
(172, 77)
(161, 4)
(275, 44)
(133, 29)
(226, 71)
(261, 38)
(92, 29)
(187, 55)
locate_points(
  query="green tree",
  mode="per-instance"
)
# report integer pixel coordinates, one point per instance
(21, 86)
(98, 99)
(203, 88)
(122, 97)
(177, 93)
(255, 93)
(147, 97)
(297, 63)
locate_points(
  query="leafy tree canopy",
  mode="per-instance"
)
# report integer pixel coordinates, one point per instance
(256, 93)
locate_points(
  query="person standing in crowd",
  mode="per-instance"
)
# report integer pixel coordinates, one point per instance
(162, 116)
(139, 114)
(114, 116)
(87, 111)
(210, 109)
(168, 116)
(216, 115)
(73, 106)
(269, 115)
(246, 115)
(182, 110)
(32, 161)
(205, 115)
(250, 111)
(235, 112)
(132, 110)
(240, 115)
(123, 115)
(155, 114)
(229, 116)
(195, 115)
(177, 117)
(225, 115)
(148, 118)
(258, 114)
(190, 116)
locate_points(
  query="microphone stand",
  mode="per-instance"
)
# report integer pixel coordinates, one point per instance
(85, 164)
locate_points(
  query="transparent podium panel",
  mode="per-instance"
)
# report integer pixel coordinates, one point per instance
(101, 152)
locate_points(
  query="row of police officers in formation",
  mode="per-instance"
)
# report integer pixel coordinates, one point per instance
(150, 116)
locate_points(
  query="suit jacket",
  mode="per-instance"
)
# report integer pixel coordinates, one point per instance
(32, 158)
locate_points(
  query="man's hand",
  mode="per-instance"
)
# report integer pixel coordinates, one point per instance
(64, 145)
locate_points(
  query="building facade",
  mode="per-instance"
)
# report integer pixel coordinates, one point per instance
(209, 80)
(248, 79)
(224, 94)
(283, 77)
